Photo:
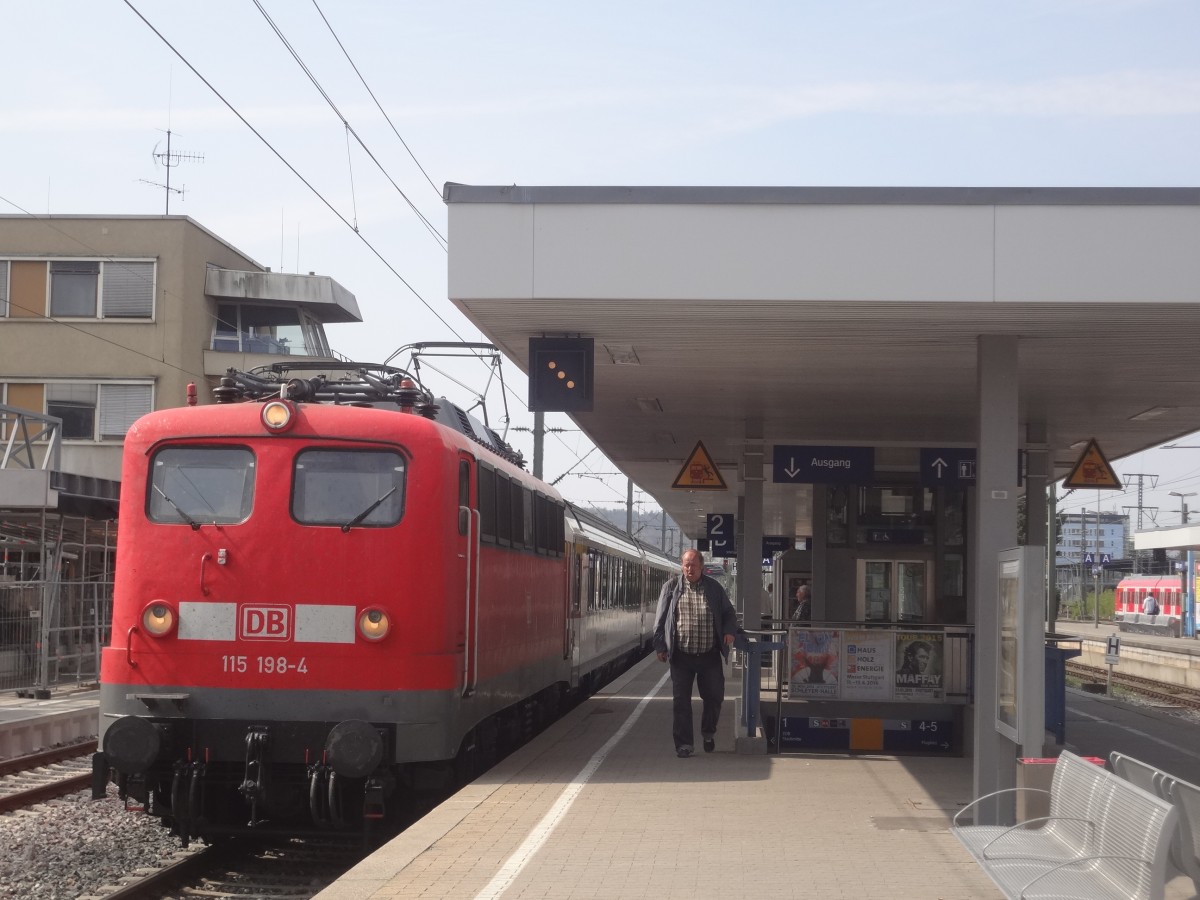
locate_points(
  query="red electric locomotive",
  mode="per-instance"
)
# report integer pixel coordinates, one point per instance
(331, 594)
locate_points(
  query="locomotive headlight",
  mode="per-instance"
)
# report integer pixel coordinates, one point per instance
(158, 618)
(374, 624)
(278, 415)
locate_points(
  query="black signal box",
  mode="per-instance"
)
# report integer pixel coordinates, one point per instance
(560, 374)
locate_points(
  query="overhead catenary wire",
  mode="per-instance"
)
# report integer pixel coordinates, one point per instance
(303, 180)
(378, 105)
(293, 170)
(442, 242)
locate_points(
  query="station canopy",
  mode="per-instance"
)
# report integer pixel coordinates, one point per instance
(751, 317)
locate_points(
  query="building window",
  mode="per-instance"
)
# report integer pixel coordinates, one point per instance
(97, 412)
(251, 328)
(74, 289)
(3, 288)
(114, 289)
(75, 404)
(120, 406)
(128, 290)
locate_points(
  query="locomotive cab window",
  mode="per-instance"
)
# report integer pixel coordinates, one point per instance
(349, 488)
(200, 485)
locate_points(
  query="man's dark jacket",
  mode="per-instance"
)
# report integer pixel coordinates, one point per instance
(723, 615)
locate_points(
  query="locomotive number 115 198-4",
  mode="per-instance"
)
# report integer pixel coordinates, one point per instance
(263, 665)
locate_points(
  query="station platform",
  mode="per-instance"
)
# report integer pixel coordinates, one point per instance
(1093, 632)
(28, 725)
(599, 806)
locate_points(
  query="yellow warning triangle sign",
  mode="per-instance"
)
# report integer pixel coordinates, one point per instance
(699, 473)
(1092, 470)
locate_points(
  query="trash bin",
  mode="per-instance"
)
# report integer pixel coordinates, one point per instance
(1058, 650)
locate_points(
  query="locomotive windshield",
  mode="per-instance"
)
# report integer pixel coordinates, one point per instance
(349, 488)
(201, 485)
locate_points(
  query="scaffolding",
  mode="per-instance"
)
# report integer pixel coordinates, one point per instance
(57, 551)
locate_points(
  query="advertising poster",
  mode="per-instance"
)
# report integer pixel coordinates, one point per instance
(919, 660)
(867, 666)
(814, 669)
(1007, 674)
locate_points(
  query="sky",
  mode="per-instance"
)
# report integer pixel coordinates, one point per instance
(325, 127)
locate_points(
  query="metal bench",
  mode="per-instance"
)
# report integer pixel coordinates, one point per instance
(1104, 837)
(1183, 795)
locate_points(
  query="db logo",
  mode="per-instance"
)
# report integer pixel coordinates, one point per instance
(265, 623)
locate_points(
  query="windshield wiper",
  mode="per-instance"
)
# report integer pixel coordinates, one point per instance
(195, 525)
(370, 509)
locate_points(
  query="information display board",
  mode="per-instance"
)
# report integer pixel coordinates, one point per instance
(1020, 647)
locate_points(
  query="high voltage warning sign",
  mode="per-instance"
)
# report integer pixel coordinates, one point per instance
(1092, 470)
(699, 473)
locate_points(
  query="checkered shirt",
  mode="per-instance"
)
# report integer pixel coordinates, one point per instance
(693, 619)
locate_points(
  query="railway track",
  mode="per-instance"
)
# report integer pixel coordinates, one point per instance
(296, 869)
(32, 779)
(1148, 688)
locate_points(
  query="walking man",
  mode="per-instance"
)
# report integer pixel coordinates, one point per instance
(693, 629)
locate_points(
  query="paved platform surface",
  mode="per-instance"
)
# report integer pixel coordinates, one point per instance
(28, 725)
(599, 806)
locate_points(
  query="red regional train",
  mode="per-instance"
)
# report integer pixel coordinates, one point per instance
(332, 595)
(1129, 599)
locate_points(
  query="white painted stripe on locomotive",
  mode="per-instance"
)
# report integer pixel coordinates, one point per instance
(315, 624)
(207, 621)
(541, 832)
(324, 624)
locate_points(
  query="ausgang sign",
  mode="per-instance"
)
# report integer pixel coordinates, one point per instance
(821, 465)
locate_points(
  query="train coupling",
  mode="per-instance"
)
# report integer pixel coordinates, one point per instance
(373, 793)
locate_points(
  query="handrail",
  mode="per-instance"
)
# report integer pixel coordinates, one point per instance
(133, 629)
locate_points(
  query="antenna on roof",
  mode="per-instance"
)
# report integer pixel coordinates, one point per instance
(169, 161)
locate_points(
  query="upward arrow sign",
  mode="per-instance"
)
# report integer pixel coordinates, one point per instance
(939, 464)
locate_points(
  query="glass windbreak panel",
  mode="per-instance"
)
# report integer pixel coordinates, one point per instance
(953, 517)
(952, 604)
(895, 515)
(201, 485)
(953, 580)
(892, 507)
(910, 591)
(877, 587)
(350, 488)
(837, 502)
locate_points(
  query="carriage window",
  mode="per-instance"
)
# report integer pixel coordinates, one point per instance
(503, 509)
(527, 518)
(200, 485)
(487, 502)
(350, 488)
(464, 483)
(518, 516)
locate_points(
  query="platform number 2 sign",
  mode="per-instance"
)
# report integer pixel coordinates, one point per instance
(721, 540)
